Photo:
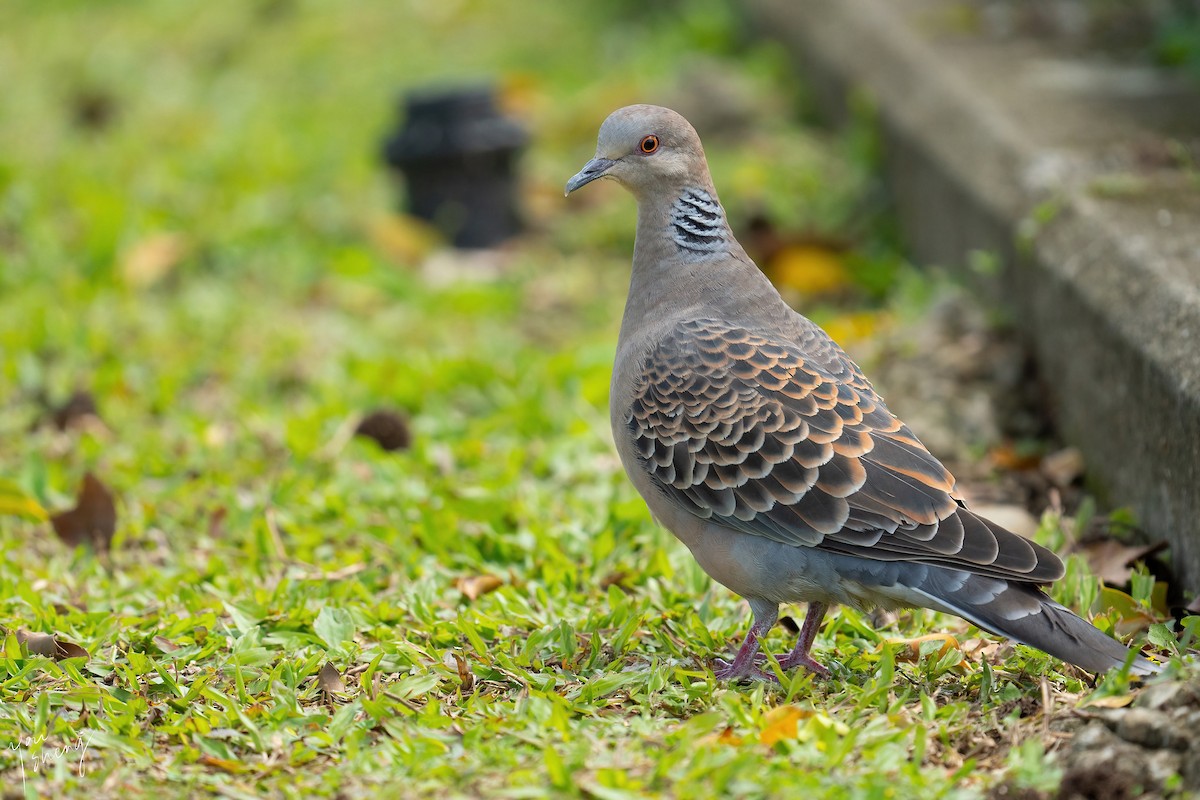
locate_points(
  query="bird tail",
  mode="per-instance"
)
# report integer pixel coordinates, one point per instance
(1025, 614)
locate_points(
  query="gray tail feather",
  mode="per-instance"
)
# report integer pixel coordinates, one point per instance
(1025, 614)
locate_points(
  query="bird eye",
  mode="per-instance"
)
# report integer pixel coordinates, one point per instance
(649, 144)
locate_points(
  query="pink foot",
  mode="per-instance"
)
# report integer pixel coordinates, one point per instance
(727, 671)
(793, 660)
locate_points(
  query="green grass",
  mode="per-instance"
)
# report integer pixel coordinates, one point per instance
(258, 542)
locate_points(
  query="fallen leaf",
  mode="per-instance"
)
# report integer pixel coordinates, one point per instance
(232, 767)
(76, 412)
(65, 649)
(1108, 701)
(1008, 516)
(854, 327)
(466, 678)
(329, 680)
(216, 522)
(478, 585)
(789, 625)
(911, 648)
(93, 521)
(612, 578)
(151, 259)
(389, 429)
(1007, 457)
(781, 723)
(979, 649)
(1112, 560)
(92, 108)
(164, 644)
(403, 239)
(809, 269)
(50, 646)
(1063, 467)
(726, 737)
(37, 644)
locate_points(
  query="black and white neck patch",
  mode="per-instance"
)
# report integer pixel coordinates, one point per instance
(698, 223)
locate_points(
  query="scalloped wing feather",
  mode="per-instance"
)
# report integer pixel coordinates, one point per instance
(789, 441)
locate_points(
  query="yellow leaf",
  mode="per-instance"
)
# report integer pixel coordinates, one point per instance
(151, 259)
(403, 239)
(726, 737)
(232, 767)
(15, 502)
(852, 327)
(910, 649)
(1108, 701)
(782, 723)
(808, 269)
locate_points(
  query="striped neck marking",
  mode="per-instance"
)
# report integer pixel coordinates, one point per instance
(698, 223)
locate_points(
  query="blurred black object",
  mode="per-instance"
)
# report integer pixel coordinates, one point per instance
(457, 153)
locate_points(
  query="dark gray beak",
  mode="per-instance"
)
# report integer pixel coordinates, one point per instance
(596, 168)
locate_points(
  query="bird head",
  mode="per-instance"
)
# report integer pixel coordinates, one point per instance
(646, 149)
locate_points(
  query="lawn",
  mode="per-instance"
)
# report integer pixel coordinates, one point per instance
(197, 235)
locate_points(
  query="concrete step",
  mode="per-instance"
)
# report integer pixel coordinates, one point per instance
(1079, 178)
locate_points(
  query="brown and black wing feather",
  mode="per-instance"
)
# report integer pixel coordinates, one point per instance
(788, 440)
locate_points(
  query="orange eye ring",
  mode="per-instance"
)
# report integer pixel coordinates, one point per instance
(649, 144)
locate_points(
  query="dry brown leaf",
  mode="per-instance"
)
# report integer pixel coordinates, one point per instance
(330, 680)
(979, 649)
(37, 644)
(216, 522)
(93, 521)
(76, 412)
(165, 645)
(466, 678)
(782, 723)
(476, 586)
(49, 645)
(1007, 457)
(1108, 701)
(911, 648)
(1009, 516)
(387, 428)
(616, 577)
(1112, 560)
(232, 767)
(65, 649)
(1063, 467)
(728, 737)
(151, 259)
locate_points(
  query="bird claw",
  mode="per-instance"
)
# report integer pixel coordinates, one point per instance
(793, 660)
(727, 671)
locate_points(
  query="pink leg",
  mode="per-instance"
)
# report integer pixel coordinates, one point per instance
(799, 656)
(743, 665)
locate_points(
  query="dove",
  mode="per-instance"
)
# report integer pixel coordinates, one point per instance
(765, 450)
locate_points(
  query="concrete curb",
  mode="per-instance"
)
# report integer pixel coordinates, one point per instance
(1062, 168)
